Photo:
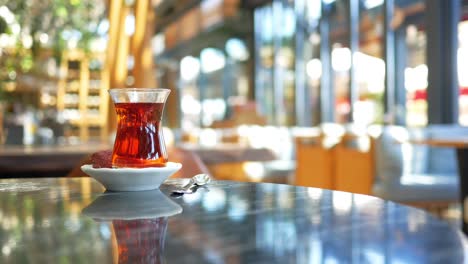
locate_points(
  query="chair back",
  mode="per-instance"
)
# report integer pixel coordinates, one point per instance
(314, 162)
(354, 163)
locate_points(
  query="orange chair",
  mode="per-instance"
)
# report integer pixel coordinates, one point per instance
(354, 164)
(314, 162)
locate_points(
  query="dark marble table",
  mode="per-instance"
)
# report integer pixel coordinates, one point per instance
(71, 220)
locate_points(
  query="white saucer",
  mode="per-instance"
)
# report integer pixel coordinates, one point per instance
(132, 179)
(131, 206)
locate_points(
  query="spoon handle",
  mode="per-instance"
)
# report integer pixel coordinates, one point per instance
(183, 190)
(188, 186)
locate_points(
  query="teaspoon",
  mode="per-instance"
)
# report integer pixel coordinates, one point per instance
(197, 180)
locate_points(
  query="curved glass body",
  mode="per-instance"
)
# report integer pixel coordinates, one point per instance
(139, 139)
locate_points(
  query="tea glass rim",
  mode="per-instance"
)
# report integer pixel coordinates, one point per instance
(140, 89)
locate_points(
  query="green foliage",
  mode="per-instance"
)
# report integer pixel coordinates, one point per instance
(54, 18)
(3, 25)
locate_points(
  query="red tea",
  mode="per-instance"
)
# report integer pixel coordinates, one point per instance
(139, 141)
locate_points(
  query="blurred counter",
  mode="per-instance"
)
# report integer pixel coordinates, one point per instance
(242, 162)
(59, 160)
(32, 161)
(229, 153)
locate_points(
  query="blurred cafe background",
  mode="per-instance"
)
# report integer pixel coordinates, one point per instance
(322, 93)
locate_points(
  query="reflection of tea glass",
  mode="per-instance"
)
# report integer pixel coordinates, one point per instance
(139, 141)
(139, 220)
(141, 240)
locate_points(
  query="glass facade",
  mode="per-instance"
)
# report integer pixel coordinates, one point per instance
(341, 57)
(275, 51)
(411, 46)
(462, 56)
(369, 63)
(264, 61)
(308, 62)
(211, 82)
(340, 73)
(316, 61)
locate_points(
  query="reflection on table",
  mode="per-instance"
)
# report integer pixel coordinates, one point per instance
(42, 221)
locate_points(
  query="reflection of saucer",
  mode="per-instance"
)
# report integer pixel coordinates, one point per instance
(132, 205)
(132, 179)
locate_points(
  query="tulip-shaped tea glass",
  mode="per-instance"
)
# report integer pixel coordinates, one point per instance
(139, 141)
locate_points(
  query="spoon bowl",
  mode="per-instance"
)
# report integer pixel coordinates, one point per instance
(201, 179)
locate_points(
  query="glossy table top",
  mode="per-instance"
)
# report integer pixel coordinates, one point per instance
(71, 220)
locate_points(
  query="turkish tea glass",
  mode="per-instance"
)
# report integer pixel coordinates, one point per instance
(139, 140)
